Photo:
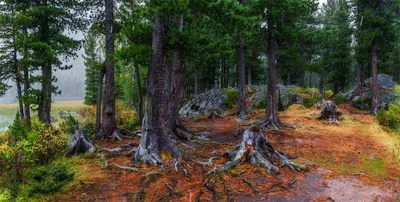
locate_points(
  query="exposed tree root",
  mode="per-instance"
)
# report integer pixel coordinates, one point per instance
(274, 186)
(122, 167)
(210, 185)
(113, 150)
(256, 149)
(204, 164)
(329, 113)
(145, 182)
(252, 186)
(198, 196)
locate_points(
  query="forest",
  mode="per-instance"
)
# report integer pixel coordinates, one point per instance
(201, 100)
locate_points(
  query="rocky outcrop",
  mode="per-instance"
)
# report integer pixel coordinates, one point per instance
(386, 95)
(211, 101)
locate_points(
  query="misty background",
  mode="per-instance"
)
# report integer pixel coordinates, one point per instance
(70, 82)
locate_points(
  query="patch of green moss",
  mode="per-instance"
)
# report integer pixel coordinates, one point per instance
(231, 97)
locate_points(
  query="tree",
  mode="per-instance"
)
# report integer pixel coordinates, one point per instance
(337, 57)
(93, 65)
(10, 67)
(108, 124)
(241, 106)
(154, 139)
(376, 35)
(48, 21)
(272, 12)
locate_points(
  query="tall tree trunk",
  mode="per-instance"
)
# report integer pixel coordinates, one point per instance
(375, 84)
(241, 106)
(108, 124)
(271, 119)
(18, 79)
(47, 77)
(140, 94)
(174, 124)
(154, 137)
(98, 99)
(196, 82)
(27, 110)
(249, 75)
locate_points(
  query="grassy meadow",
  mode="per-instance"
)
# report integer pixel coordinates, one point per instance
(8, 111)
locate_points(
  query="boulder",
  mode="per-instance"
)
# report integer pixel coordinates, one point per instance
(285, 98)
(211, 101)
(386, 95)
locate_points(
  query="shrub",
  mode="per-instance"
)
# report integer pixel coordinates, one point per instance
(125, 116)
(18, 131)
(88, 114)
(328, 94)
(69, 125)
(49, 178)
(339, 99)
(231, 97)
(47, 141)
(390, 118)
(309, 101)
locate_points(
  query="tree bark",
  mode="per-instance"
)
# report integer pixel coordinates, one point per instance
(241, 106)
(375, 85)
(98, 99)
(154, 137)
(271, 119)
(26, 89)
(18, 79)
(108, 124)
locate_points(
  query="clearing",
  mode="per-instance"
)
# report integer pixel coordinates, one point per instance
(352, 161)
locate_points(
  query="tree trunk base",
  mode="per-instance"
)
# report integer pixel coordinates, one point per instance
(256, 149)
(329, 113)
(272, 124)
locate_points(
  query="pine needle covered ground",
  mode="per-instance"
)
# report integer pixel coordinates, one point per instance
(352, 160)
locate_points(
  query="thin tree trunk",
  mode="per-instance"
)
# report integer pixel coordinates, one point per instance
(241, 106)
(302, 78)
(108, 124)
(26, 89)
(98, 99)
(375, 85)
(249, 75)
(18, 79)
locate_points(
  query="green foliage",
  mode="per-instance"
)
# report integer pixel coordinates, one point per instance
(328, 94)
(18, 131)
(231, 97)
(49, 178)
(69, 125)
(339, 99)
(93, 64)
(390, 118)
(310, 96)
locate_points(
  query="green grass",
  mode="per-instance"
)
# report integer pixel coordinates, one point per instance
(8, 111)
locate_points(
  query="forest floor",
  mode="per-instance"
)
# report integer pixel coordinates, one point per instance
(354, 160)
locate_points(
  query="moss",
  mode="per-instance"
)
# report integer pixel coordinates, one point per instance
(231, 97)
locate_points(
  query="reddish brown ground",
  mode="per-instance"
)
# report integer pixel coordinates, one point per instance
(346, 163)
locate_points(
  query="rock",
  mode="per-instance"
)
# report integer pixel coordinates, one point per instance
(386, 95)
(211, 101)
(284, 98)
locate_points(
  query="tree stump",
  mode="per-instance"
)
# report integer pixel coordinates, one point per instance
(256, 149)
(79, 144)
(329, 113)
